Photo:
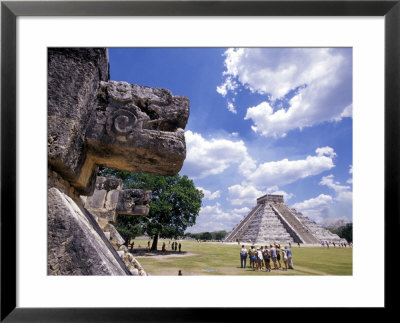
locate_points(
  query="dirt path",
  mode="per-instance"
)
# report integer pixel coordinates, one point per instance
(146, 253)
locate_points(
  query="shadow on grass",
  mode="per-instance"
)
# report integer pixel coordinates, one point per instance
(148, 252)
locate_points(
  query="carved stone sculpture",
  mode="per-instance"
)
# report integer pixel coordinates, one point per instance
(113, 124)
(95, 122)
(109, 200)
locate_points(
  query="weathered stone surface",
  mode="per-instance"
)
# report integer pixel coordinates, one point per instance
(138, 128)
(74, 246)
(114, 124)
(109, 200)
(123, 248)
(133, 202)
(74, 77)
(134, 266)
(93, 122)
(115, 237)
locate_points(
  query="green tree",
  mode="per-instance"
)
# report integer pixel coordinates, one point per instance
(174, 206)
(343, 231)
(129, 227)
(206, 236)
(346, 232)
(219, 235)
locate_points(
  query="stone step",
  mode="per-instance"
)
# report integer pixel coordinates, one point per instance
(108, 235)
(269, 222)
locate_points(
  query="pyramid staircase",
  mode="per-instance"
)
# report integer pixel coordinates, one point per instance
(273, 221)
(318, 231)
(242, 226)
(303, 233)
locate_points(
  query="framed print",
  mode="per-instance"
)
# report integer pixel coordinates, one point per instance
(366, 31)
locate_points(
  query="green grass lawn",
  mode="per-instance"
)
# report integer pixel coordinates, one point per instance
(213, 258)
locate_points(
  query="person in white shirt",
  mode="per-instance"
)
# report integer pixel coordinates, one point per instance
(259, 258)
(243, 257)
(273, 256)
(285, 258)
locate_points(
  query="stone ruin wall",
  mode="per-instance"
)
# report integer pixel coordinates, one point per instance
(95, 122)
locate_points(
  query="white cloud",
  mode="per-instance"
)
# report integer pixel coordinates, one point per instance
(211, 157)
(350, 180)
(345, 197)
(215, 212)
(347, 113)
(343, 192)
(328, 151)
(243, 210)
(316, 208)
(229, 85)
(244, 194)
(210, 195)
(285, 171)
(231, 108)
(247, 194)
(315, 82)
(336, 186)
(321, 201)
(325, 209)
(213, 218)
(286, 196)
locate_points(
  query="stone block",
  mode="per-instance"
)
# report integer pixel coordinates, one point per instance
(112, 200)
(134, 202)
(115, 237)
(97, 200)
(109, 200)
(74, 246)
(74, 77)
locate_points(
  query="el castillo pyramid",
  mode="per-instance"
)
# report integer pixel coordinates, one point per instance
(271, 220)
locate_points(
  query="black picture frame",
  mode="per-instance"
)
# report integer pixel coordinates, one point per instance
(10, 10)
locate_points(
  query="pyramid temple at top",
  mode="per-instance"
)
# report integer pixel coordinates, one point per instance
(271, 220)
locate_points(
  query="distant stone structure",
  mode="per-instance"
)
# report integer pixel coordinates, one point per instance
(95, 122)
(271, 220)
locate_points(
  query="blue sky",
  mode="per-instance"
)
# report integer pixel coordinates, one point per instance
(262, 120)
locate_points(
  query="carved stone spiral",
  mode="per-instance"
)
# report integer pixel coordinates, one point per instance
(121, 125)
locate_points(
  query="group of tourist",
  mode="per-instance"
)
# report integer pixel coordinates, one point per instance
(175, 246)
(262, 257)
(334, 244)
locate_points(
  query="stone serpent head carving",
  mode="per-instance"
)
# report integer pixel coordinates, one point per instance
(109, 200)
(96, 122)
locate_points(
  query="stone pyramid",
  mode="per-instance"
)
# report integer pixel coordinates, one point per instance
(271, 220)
